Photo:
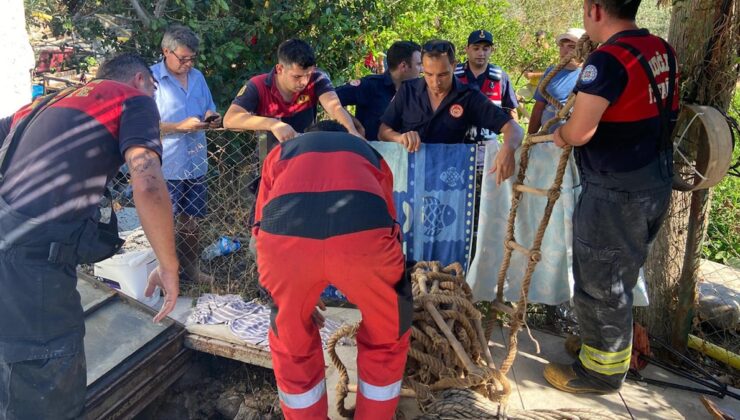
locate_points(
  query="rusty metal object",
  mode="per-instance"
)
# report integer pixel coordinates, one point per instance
(703, 148)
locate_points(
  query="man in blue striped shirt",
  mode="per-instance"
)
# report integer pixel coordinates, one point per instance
(185, 103)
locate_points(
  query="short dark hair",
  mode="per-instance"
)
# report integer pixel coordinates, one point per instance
(123, 67)
(438, 47)
(295, 51)
(180, 36)
(326, 125)
(621, 9)
(401, 52)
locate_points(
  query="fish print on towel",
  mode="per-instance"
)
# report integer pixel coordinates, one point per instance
(434, 190)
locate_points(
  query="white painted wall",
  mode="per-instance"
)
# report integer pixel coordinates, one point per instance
(17, 58)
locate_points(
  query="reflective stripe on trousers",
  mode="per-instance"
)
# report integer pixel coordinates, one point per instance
(305, 399)
(379, 393)
(612, 232)
(604, 362)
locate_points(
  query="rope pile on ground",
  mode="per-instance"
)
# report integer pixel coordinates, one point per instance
(448, 346)
(449, 369)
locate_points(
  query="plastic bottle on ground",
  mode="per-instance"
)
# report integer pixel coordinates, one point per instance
(223, 246)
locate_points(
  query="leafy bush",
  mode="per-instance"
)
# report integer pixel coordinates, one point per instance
(240, 37)
(722, 243)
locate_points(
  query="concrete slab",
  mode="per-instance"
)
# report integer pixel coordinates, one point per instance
(532, 390)
(717, 273)
(499, 349)
(657, 402)
(183, 308)
(348, 355)
(636, 400)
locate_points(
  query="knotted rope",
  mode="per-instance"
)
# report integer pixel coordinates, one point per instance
(448, 347)
(583, 48)
(449, 368)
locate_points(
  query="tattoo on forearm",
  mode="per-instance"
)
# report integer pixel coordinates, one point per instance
(143, 169)
(141, 163)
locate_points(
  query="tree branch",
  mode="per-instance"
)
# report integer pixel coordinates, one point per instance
(159, 8)
(141, 13)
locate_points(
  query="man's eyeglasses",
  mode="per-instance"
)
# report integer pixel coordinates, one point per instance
(439, 47)
(185, 60)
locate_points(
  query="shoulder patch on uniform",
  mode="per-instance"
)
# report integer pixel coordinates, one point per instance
(318, 74)
(459, 70)
(242, 90)
(456, 110)
(495, 73)
(355, 82)
(589, 74)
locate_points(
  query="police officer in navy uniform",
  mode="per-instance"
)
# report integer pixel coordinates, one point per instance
(55, 160)
(489, 78)
(621, 128)
(372, 94)
(440, 109)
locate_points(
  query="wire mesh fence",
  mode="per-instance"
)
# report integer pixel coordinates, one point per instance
(233, 160)
(717, 312)
(208, 244)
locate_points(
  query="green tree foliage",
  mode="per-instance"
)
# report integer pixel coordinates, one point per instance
(240, 37)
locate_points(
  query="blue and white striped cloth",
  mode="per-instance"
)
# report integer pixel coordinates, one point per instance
(249, 321)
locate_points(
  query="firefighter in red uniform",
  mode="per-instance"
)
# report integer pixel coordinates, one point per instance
(325, 214)
(621, 126)
(283, 101)
(56, 157)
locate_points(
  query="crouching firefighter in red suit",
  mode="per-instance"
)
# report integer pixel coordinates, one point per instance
(325, 214)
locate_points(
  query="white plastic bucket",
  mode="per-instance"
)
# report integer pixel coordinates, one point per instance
(131, 271)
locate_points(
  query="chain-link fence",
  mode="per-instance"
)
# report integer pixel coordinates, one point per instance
(207, 244)
(233, 164)
(717, 312)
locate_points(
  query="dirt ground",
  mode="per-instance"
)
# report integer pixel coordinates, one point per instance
(216, 388)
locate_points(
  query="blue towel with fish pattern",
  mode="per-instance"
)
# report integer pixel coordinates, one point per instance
(434, 191)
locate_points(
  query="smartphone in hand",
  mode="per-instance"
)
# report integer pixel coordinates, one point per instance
(211, 118)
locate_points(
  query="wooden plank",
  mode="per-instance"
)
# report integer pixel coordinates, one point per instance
(540, 139)
(531, 190)
(518, 247)
(218, 331)
(243, 352)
